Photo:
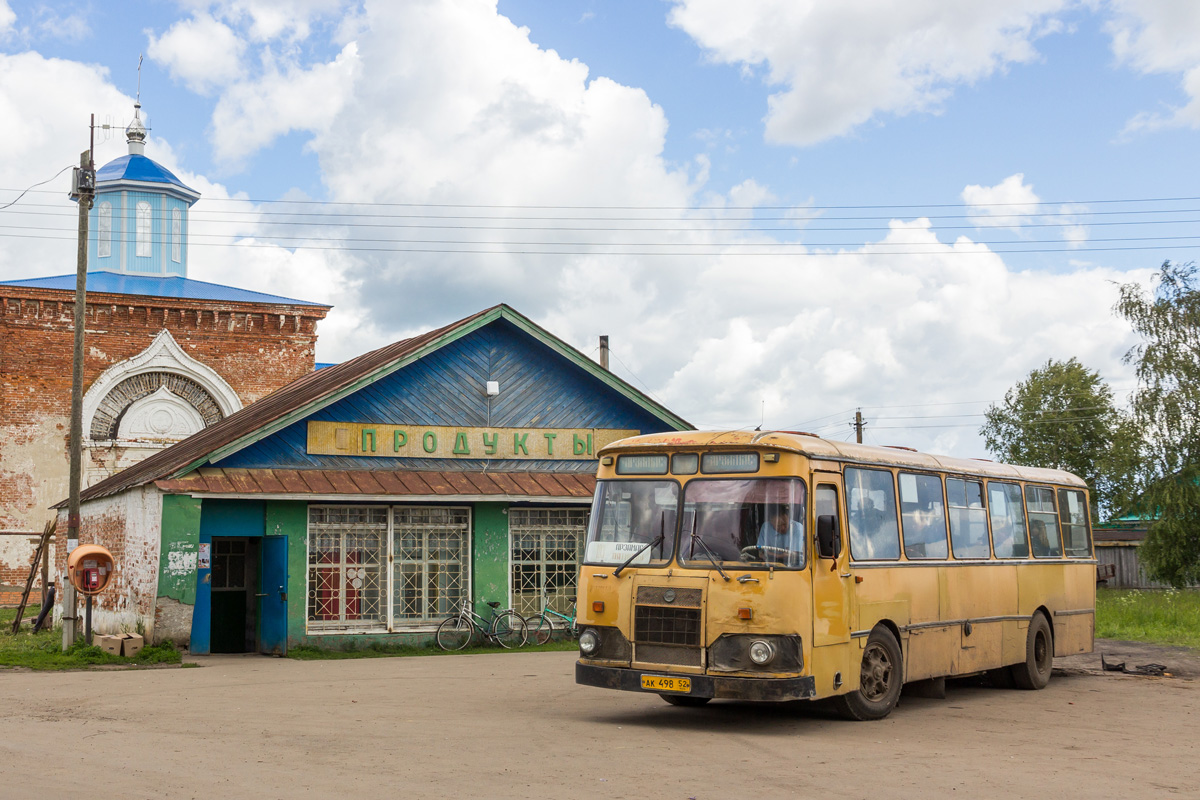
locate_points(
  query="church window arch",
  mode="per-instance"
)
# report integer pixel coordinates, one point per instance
(104, 230)
(143, 229)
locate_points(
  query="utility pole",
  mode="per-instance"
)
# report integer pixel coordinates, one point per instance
(858, 424)
(83, 190)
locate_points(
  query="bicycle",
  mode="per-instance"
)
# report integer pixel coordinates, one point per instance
(506, 628)
(543, 626)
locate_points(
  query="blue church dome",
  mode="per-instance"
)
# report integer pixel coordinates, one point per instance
(139, 168)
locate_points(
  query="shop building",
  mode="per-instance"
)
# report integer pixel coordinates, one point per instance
(366, 501)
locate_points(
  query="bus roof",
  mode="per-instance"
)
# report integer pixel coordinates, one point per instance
(816, 447)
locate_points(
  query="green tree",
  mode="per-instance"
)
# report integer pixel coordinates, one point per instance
(1166, 406)
(1062, 416)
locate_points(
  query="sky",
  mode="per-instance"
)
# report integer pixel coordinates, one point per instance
(779, 211)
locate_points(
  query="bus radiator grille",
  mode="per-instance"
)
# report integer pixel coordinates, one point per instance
(665, 625)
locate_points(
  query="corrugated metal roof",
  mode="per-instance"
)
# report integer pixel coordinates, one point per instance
(309, 392)
(381, 483)
(149, 286)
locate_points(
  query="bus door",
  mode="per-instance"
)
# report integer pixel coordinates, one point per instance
(833, 590)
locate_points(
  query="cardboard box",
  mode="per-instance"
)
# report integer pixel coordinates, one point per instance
(109, 644)
(131, 643)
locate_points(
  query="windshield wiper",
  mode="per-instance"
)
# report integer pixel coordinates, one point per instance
(708, 553)
(643, 548)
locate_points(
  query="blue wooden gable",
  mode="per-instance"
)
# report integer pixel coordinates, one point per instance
(539, 388)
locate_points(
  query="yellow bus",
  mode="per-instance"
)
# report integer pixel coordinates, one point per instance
(774, 566)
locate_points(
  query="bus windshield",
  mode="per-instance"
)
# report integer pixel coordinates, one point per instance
(746, 521)
(628, 515)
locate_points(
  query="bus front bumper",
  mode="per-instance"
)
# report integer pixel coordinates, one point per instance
(759, 689)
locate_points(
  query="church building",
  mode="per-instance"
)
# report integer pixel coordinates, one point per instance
(165, 355)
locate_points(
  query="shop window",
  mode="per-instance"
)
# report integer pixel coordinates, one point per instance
(347, 550)
(547, 544)
(431, 552)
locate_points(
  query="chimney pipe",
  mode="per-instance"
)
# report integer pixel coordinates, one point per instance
(604, 351)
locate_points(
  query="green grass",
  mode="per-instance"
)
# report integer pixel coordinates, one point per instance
(1169, 616)
(377, 650)
(43, 651)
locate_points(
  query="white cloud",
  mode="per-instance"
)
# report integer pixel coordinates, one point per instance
(251, 114)
(1160, 37)
(842, 64)
(7, 17)
(202, 52)
(267, 20)
(1008, 204)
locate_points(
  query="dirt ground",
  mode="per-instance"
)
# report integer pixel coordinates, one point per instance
(516, 725)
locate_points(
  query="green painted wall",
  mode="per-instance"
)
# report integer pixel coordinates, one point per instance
(180, 547)
(290, 518)
(489, 558)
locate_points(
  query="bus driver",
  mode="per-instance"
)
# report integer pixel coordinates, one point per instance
(780, 538)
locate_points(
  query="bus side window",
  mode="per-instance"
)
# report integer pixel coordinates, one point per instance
(1072, 512)
(923, 514)
(871, 500)
(968, 519)
(1043, 522)
(1008, 520)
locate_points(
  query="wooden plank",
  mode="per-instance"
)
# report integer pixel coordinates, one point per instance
(414, 484)
(505, 482)
(437, 482)
(459, 482)
(242, 481)
(483, 483)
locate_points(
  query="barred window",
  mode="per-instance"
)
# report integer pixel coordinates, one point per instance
(347, 549)
(547, 544)
(431, 552)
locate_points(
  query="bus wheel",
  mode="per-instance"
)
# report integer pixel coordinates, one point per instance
(686, 701)
(1039, 656)
(880, 681)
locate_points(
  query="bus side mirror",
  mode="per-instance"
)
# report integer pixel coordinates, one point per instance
(829, 544)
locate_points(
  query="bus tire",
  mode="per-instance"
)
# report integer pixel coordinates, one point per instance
(1039, 655)
(880, 681)
(685, 701)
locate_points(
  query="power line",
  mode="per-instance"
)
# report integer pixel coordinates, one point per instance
(715, 208)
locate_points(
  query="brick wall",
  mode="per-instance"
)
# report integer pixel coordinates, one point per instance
(254, 348)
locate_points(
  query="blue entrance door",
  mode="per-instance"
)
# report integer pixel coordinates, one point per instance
(272, 609)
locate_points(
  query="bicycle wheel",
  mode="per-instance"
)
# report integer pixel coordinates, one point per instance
(454, 633)
(541, 629)
(509, 629)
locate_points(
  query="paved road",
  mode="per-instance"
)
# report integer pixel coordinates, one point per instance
(516, 725)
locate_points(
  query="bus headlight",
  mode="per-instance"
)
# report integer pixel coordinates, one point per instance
(761, 652)
(589, 642)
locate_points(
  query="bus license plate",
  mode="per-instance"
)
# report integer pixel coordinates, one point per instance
(661, 683)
